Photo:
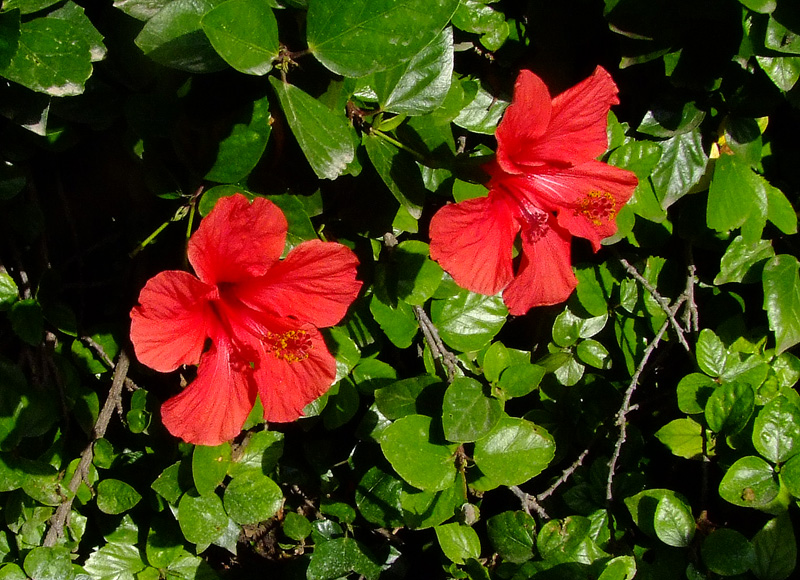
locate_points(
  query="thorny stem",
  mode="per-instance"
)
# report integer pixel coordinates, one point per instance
(565, 475)
(61, 515)
(529, 502)
(663, 302)
(622, 414)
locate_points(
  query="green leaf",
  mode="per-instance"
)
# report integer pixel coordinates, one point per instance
(513, 535)
(52, 57)
(760, 6)
(169, 484)
(418, 275)
(425, 509)
(244, 33)
(378, 498)
(241, 150)
(174, 37)
(338, 557)
(780, 211)
(28, 6)
(673, 521)
(326, 137)
(209, 466)
(252, 497)
(683, 162)
(684, 437)
(10, 571)
(520, 379)
(478, 17)
(782, 300)
(711, 353)
(784, 71)
(202, 518)
(749, 482)
(467, 413)
(482, 112)
(458, 542)
(619, 568)
(743, 261)
(49, 564)
(343, 403)
(419, 454)
(496, 359)
(27, 321)
(729, 407)
(399, 172)
(356, 38)
(670, 120)
(568, 540)
(775, 549)
(296, 526)
(75, 15)
(164, 542)
(397, 322)
(468, 321)
(737, 196)
(693, 392)
(117, 561)
(513, 452)
(401, 398)
(420, 85)
(115, 496)
(727, 552)
(593, 353)
(371, 374)
(643, 506)
(776, 431)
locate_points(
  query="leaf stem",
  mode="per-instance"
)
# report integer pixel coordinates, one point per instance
(389, 139)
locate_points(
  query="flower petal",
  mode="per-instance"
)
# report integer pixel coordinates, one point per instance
(213, 408)
(577, 129)
(545, 274)
(238, 240)
(587, 198)
(473, 240)
(525, 120)
(316, 283)
(289, 379)
(169, 326)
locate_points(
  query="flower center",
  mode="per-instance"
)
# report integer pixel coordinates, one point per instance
(291, 346)
(534, 225)
(598, 207)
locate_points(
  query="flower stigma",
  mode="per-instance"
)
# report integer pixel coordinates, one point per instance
(291, 346)
(598, 207)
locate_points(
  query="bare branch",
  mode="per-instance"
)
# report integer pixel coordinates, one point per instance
(529, 502)
(565, 475)
(438, 349)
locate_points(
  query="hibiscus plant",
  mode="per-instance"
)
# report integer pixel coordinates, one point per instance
(469, 289)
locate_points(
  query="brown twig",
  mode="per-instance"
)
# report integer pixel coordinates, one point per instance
(565, 475)
(61, 516)
(98, 348)
(663, 302)
(529, 502)
(434, 341)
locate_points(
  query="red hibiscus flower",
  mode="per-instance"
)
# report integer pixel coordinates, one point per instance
(545, 185)
(259, 314)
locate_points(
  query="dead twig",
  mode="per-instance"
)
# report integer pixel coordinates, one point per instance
(529, 502)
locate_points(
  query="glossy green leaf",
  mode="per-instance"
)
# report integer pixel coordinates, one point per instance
(296, 526)
(397, 322)
(115, 560)
(743, 261)
(520, 379)
(727, 552)
(619, 568)
(28, 6)
(749, 482)
(338, 557)
(737, 196)
(693, 392)
(468, 321)
(775, 549)
(729, 407)
(467, 413)
(425, 509)
(784, 71)
(668, 121)
(62, 53)
(458, 542)
(399, 172)
(760, 6)
(568, 540)
(402, 398)
(202, 518)
(421, 84)
(76, 16)
(479, 17)
(776, 432)
(244, 33)
(513, 535)
(174, 37)
(360, 37)
(782, 300)
(418, 275)
(418, 454)
(252, 497)
(644, 505)
(711, 353)
(115, 496)
(371, 374)
(513, 452)
(683, 162)
(326, 137)
(673, 521)
(170, 485)
(482, 112)
(593, 353)
(209, 466)
(378, 498)
(27, 321)
(684, 437)
(496, 359)
(241, 150)
(52, 563)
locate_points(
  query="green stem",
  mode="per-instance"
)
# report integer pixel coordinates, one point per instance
(149, 239)
(417, 155)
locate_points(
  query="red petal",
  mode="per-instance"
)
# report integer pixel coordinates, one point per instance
(169, 326)
(473, 240)
(213, 408)
(288, 382)
(545, 274)
(238, 240)
(577, 130)
(525, 120)
(316, 283)
(587, 198)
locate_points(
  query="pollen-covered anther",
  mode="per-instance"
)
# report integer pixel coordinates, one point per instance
(291, 346)
(599, 207)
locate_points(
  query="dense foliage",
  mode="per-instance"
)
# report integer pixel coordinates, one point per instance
(647, 427)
